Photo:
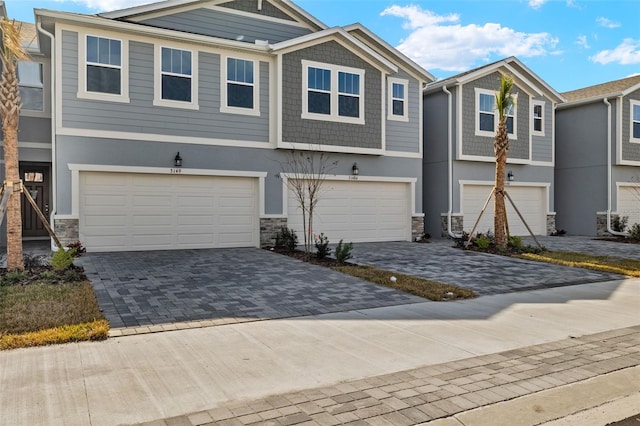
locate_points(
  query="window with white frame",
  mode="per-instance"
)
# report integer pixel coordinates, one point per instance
(176, 82)
(332, 93)
(487, 116)
(398, 100)
(635, 121)
(31, 84)
(538, 118)
(104, 65)
(240, 87)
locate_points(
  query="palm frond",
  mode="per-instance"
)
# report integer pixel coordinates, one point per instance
(504, 98)
(12, 49)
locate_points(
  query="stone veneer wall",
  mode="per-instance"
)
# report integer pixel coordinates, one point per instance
(269, 227)
(457, 226)
(417, 227)
(601, 223)
(67, 230)
(551, 223)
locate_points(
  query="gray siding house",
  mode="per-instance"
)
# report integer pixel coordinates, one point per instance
(458, 166)
(230, 87)
(598, 157)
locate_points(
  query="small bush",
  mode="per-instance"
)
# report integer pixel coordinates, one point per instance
(13, 277)
(48, 275)
(76, 249)
(71, 275)
(515, 242)
(322, 246)
(634, 231)
(61, 259)
(482, 241)
(286, 239)
(619, 224)
(343, 251)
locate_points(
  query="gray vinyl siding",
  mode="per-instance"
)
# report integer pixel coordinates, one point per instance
(252, 6)
(33, 129)
(228, 26)
(81, 150)
(140, 116)
(630, 151)
(405, 136)
(296, 129)
(483, 145)
(542, 146)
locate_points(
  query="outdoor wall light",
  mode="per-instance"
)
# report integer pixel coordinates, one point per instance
(355, 169)
(178, 160)
(510, 176)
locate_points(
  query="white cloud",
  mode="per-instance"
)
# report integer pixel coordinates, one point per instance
(582, 41)
(536, 4)
(626, 53)
(607, 23)
(108, 5)
(456, 47)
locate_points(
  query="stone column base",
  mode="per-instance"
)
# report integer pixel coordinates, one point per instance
(269, 228)
(457, 224)
(551, 223)
(417, 227)
(67, 230)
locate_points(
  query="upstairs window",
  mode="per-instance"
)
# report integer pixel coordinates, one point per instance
(332, 93)
(398, 100)
(104, 65)
(176, 83)
(635, 121)
(240, 89)
(487, 115)
(486, 111)
(30, 78)
(538, 118)
(511, 114)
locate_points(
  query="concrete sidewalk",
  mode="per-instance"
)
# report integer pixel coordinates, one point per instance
(141, 378)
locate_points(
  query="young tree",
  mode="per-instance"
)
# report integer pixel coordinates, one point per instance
(11, 52)
(305, 173)
(504, 102)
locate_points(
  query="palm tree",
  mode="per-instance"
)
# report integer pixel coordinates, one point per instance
(504, 102)
(10, 53)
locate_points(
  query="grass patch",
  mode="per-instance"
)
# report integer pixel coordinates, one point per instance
(42, 313)
(422, 287)
(616, 265)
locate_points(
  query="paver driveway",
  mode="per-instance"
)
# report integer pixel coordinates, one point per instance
(228, 285)
(484, 273)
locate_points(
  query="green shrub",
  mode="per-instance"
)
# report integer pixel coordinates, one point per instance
(61, 259)
(619, 224)
(13, 277)
(286, 239)
(71, 275)
(322, 246)
(634, 231)
(482, 241)
(343, 251)
(48, 275)
(515, 242)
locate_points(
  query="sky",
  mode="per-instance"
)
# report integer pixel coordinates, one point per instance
(570, 44)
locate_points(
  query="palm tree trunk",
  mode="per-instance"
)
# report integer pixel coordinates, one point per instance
(500, 211)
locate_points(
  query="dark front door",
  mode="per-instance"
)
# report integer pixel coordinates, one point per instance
(36, 181)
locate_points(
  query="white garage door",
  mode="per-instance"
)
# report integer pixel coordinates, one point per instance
(530, 200)
(135, 211)
(629, 203)
(358, 212)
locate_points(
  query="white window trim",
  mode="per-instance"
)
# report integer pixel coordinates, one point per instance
(496, 116)
(45, 98)
(255, 111)
(333, 116)
(83, 93)
(390, 114)
(157, 80)
(632, 103)
(533, 130)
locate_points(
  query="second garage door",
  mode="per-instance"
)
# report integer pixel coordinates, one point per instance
(358, 211)
(530, 200)
(135, 211)
(629, 203)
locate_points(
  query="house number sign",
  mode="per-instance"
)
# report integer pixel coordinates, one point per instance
(175, 170)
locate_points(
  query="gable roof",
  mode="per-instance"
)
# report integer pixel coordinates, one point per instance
(605, 90)
(512, 65)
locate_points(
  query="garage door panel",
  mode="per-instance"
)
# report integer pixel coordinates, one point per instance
(629, 203)
(157, 212)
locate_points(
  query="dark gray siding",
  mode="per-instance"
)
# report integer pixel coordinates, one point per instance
(630, 151)
(140, 116)
(228, 26)
(405, 136)
(481, 145)
(581, 167)
(295, 129)
(33, 129)
(542, 146)
(252, 6)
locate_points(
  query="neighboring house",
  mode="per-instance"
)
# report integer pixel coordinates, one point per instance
(598, 157)
(460, 122)
(230, 88)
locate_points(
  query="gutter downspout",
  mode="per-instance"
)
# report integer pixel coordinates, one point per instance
(450, 163)
(609, 171)
(52, 87)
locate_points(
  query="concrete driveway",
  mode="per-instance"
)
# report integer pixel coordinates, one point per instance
(164, 290)
(484, 273)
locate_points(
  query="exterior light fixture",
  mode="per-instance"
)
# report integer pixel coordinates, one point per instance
(354, 170)
(510, 176)
(178, 160)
